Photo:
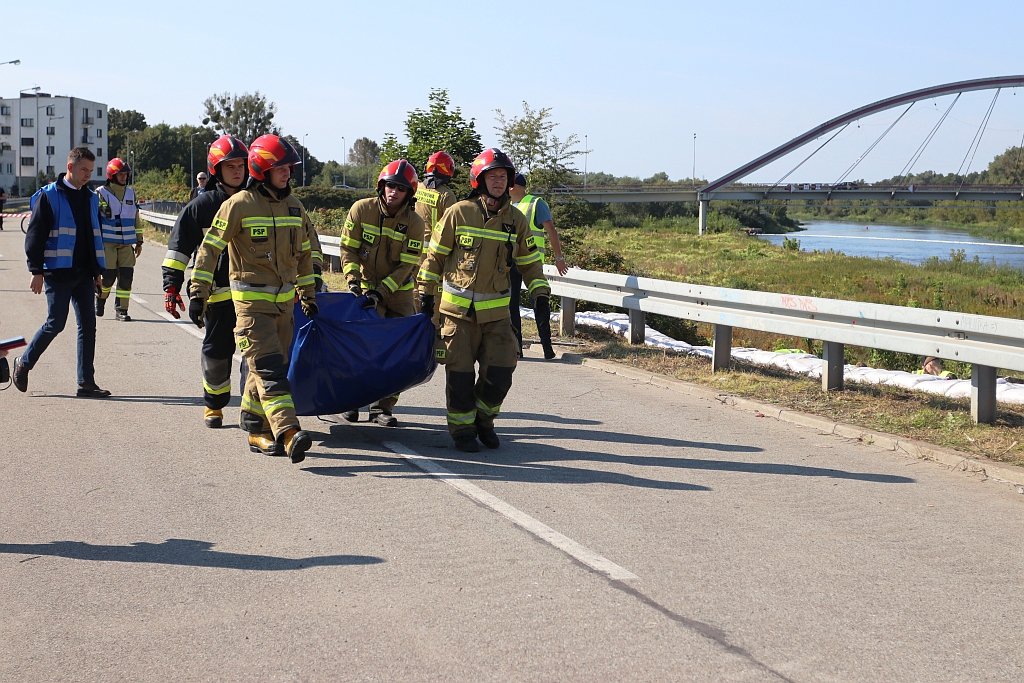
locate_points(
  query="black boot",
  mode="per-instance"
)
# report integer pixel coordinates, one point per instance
(100, 304)
(466, 442)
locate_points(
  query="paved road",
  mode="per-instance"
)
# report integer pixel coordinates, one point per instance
(624, 532)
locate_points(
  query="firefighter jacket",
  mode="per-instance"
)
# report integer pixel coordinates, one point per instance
(269, 240)
(378, 251)
(471, 252)
(117, 215)
(431, 203)
(186, 236)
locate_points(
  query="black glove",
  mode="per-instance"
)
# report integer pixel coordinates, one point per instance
(318, 283)
(196, 307)
(355, 288)
(542, 307)
(427, 304)
(373, 299)
(309, 307)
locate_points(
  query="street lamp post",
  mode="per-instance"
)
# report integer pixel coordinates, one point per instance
(21, 134)
(304, 159)
(693, 171)
(15, 62)
(192, 162)
(586, 158)
(344, 159)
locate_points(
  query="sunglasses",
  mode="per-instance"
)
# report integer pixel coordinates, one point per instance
(396, 186)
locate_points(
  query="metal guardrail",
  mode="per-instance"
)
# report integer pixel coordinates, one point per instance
(987, 342)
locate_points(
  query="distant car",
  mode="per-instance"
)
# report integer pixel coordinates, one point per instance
(342, 186)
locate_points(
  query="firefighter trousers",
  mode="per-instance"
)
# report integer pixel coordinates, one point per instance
(218, 347)
(264, 339)
(473, 399)
(120, 267)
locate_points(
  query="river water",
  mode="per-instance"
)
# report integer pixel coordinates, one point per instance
(908, 243)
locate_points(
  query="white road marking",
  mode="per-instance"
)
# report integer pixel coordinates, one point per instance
(517, 517)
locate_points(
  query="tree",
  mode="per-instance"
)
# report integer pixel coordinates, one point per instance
(245, 116)
(119, 124)
(531, 144)
(437, 127)
(364, 152)
(1007, 168)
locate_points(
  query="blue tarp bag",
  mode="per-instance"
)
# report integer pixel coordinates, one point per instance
(348, 357)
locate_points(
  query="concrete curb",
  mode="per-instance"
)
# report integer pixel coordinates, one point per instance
(955, 460)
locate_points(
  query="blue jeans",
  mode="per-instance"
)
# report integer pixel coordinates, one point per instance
(79, 290)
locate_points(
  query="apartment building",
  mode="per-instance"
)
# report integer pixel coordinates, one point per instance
(37, 130)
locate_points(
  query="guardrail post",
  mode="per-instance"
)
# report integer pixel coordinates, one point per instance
(983, 393)
(832, 367)
(722, 356)
(335, 263)
(567, 317)
(637, 327)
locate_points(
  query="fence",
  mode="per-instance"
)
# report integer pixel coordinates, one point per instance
(987, 342)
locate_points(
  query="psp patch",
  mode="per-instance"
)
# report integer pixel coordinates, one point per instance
(440, 353)
(219, 223)
(243, 343)
(415, 245)
(465, 241)
(259, 232)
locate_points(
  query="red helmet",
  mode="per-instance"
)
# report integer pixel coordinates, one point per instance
(223, 148)
(441, 163)
(399, 171)
(485, 161)
(117, 165)
(270, 151)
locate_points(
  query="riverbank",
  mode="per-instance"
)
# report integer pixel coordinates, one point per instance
(978, 222)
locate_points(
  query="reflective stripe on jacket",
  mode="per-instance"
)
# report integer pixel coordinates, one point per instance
(378, 251)
(60, 244)
(470, 256)
(431, 203)
(117, 216)
(528, 206)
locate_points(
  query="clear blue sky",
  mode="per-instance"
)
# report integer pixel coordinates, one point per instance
(637, 78)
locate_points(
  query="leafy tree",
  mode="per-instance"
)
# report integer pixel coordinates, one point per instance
(1007, 168)
(530, 142)
(364, 152)
(245, 116)
(119, 124)
(439, 126)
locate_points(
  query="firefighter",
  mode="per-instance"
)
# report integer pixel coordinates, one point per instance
(434, 197)
(381, 246)
(122, 238)
(471, 252)
(266, 232)
(226, 160)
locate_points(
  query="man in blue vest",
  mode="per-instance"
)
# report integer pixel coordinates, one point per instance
(542, 228)
(64, 248)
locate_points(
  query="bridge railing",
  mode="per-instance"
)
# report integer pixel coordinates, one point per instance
(987, 342)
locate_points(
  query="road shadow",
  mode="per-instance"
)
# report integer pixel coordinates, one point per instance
(523, 458)
(163, 400)
(182, 552)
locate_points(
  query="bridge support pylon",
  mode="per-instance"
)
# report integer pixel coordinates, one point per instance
(702, 216)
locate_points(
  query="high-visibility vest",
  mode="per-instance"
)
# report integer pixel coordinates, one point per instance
(528, 205)
(60, 243)
(118, 216)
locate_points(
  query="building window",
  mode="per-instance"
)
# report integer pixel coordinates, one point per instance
(49, 151)
(99, 132)
(49, 170)
(28, 142)
(50, 110)
(5, 110)
(99, 151)
(5, 130)
(99, 113)
(10, 169)
(50, 130)
(99, 170)
(27, 123)
(85, 139)
(28, 161)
